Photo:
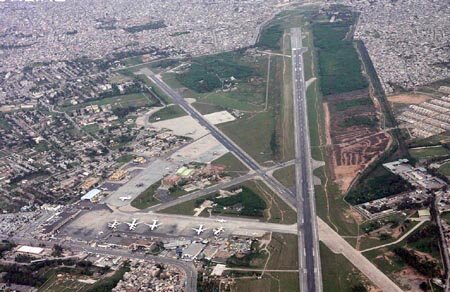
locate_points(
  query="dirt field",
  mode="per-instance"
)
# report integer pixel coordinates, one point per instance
(353, 145)
(409, 98)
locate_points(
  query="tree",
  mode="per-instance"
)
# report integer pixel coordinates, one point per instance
(57, 250)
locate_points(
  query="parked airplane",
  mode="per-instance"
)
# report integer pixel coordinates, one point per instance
(154, 225)
(125, 198)
(199, 230)
(133, 224)
(217, 231)
(221, 220)
(114, 224)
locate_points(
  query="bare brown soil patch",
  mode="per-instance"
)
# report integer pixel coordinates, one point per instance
(409, 98)
(408, 277)
(344, 175)
(353, 145)
(352, 216)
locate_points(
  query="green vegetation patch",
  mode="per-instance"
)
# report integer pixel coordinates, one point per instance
(339, 65)
(377, 187)
(429, 152)
(347, 104)
(270, 37)
(233, 166)
(338, 274)
(276, 210)
(269, 282)
(125, 158)
(147, 26)
(146, 198)
(410, 252)
(167, 113)
(155, 90)
(4, 123)
(283, 249)
(445, 169)
(286, 176)
(254, 134)
(380, 231)
(109, 283)
(246, 203)
(206, 73)
(178, 33)
(359, 121)
(245, 100)
(207, 108)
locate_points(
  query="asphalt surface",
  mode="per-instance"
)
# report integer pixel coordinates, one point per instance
(309, 258)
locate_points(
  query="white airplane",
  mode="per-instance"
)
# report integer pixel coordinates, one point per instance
(133, 224)
(199, 230)
(217, 231)
(221, 220)
(114, 224)
(154, 225)
(125, 198)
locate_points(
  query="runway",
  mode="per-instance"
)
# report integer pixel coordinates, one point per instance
(309, 257)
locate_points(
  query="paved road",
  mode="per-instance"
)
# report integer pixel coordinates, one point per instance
(309, 257)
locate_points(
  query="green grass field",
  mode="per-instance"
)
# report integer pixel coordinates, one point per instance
(233, 100)
(91, 129)
(125, 158)
(253, 133)
(207, 108)
(66, 283)
(234, 166)
(271, 282)
(286, 176)
(167, 113)
(446, 216)
(186, 208)
(429, 152)
(445, 169)
(107, 284)
(283, 250)
(338, 274)
(146, 198)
